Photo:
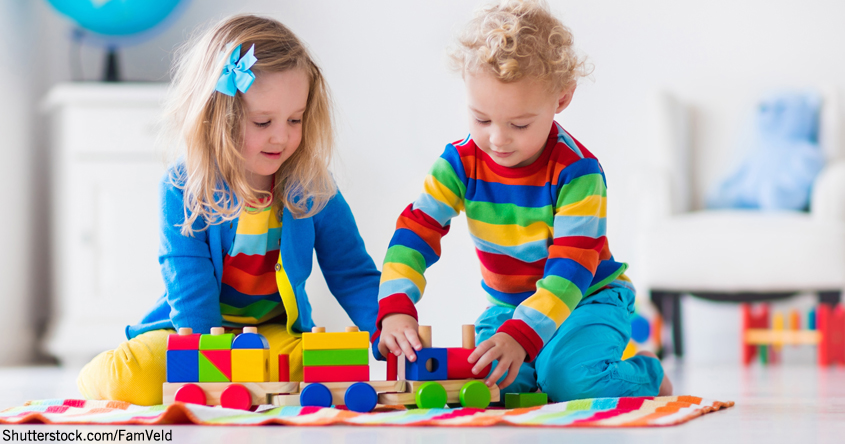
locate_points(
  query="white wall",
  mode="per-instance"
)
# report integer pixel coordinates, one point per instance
(16, 182)
(398, 105)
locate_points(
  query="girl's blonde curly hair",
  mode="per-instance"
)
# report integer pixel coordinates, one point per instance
(515, 39)
(209, 125)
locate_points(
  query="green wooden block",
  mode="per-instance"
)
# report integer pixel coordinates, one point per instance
(764, 354)
(353, 356)
(210, 373)
(522, 400)
(216, 342)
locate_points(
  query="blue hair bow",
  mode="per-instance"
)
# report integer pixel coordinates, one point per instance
(236, 74)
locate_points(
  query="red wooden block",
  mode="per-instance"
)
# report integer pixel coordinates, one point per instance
(836, 350)
(458, 367)
(392, 367)
(222, 359)
(336, 373)
(284, 368)
(183, 342)
(748, 351)
(823, 316)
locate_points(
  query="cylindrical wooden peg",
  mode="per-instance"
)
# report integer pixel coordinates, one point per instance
(284, 368)
(351, 329)
(217, 331)
(468, 336)
(250, 329)
(392, 367)
(186, 331)
(318, 329)
(425, 335)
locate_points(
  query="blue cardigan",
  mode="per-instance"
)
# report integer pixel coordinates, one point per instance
(192, 267)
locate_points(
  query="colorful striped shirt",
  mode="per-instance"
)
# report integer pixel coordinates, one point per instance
(539, 233)
(249, 293)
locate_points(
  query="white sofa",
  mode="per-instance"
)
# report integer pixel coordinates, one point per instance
(733, 255)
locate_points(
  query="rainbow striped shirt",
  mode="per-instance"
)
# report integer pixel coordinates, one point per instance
(249, 294)
(539, 232)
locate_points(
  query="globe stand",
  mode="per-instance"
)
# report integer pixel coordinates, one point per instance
(112, 72)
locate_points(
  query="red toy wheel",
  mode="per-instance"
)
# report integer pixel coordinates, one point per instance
(190, 394)
(236, 396)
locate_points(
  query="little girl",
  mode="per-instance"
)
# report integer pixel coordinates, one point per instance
(535, 202)
(245, 209)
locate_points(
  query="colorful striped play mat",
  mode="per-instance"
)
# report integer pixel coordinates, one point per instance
(599, 412)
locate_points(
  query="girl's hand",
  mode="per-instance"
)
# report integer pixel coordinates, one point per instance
(503, 348)
(399, 334)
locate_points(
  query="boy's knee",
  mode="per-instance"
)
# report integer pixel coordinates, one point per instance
(571, 382)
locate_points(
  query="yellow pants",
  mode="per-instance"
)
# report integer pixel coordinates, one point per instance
(136, 370)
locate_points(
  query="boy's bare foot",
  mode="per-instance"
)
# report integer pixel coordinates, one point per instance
(666, 385)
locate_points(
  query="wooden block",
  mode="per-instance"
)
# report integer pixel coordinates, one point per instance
(215, 365)
(757, 336)
(351, 329)
(335, 341)
(425, 335)
(250, 365)
(522, 400)
(392, 367)
(453, 389)
(284, 368)
(431, 364)
(794, 320)
(352, 356)
(250, 340)
(183, 341)
(400, 367)
(458, 367)
(183, 366)
(213, 390)
(216, 342)
(380, 386)
(396, 399)
(338, 389)
(318, 329)
(836, 330)
(285, 400)
(340, 373)
(468, 336)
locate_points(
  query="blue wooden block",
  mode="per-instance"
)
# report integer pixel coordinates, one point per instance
(250, 341)
(183, 366)
(417, 371)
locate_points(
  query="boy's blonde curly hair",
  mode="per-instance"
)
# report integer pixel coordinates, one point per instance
(515, 39)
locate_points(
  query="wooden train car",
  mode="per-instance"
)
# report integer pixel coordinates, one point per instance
(221, 369)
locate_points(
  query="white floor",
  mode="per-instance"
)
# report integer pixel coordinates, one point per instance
(774, 404)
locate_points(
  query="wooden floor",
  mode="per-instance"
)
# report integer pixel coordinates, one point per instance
(773, 405)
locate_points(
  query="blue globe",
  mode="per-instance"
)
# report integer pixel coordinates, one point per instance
(116, 17)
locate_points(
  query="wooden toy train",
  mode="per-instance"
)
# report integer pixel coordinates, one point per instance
(233, 371)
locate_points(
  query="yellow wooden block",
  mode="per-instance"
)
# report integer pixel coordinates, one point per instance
(250, 365)
(335, 341)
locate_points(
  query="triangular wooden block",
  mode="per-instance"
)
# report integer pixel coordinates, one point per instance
(215, 365)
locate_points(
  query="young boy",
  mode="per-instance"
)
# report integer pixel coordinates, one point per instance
(535, 203)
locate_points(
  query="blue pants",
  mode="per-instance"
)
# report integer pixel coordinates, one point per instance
(583, 358)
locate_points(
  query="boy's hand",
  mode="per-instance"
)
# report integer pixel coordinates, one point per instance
(503, 348)
(399, 334)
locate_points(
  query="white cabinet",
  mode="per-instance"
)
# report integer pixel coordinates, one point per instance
(104, 213)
